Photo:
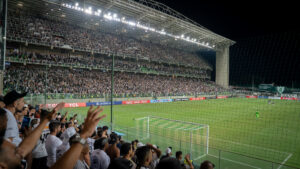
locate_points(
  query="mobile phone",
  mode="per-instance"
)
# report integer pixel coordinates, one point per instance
(37, 107)
(25, 122)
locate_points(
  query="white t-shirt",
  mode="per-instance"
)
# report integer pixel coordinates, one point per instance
(81, 165)
(52, 143)
(65, 137)
(39, 150)
(64, 147)
(99, 159)
(91, 142)
(12, 130)
(67, 134)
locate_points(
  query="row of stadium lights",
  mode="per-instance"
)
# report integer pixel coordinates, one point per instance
(114, 17)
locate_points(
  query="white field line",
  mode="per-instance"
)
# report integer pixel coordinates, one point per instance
(183, 127)
(241, 163)
(141, 118)
(211, 138)
(285, 160)
(194, 128)
(165, 124)
(199, 157)
(154, 122)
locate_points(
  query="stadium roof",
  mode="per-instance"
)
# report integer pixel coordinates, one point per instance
(170, 27)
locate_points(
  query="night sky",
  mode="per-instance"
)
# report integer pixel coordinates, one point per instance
(267, 36)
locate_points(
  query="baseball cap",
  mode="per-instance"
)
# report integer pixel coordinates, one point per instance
(168, 150)
(139, 144)
(12, 96)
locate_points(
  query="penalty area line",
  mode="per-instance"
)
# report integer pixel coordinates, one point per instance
(285, 160)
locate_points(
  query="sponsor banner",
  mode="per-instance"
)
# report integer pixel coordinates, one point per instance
(136, 102)
(288, 98)
(198, 98)
(66, 105)
(181, 99)
(210, 97)
(103, 103)
(161, 100)
(275, 98)
(117, 102)
(263, 97)
(222, 97)
(251, 97)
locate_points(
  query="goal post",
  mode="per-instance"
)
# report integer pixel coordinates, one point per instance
(185, 136)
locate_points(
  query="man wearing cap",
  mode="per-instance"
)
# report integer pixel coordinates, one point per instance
(99, 158)
(168, 153)
(14, 102)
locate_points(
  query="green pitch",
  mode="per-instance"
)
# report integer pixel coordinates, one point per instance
(233, 128)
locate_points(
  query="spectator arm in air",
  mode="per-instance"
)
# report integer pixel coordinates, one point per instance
(69, 159)
(29, 142)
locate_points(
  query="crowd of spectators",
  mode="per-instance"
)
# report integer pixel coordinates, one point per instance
(38, 79)
(103, 62)
(36, 138)
(58, 34)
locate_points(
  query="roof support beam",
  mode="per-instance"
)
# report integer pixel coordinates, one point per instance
(142, 16)
(168, 24)
(108, 6)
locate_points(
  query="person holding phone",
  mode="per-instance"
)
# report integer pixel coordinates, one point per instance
(14, 103)
(25, 123)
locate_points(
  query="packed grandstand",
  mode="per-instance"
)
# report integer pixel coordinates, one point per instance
(142, 67)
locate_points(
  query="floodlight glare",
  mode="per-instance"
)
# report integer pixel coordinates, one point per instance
(114, 17)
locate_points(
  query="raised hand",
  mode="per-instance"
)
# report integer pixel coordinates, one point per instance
(91, 121)
(53, 113)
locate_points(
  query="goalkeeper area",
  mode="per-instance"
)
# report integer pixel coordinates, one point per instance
(224, 131)
(188, 137)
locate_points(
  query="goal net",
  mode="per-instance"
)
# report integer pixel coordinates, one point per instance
(185, 136)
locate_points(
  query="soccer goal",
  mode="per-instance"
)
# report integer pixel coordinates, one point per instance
(185, 136)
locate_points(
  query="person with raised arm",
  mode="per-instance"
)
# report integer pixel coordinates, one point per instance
(69, 159)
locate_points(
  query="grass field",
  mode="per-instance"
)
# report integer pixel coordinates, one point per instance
(233, 129)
